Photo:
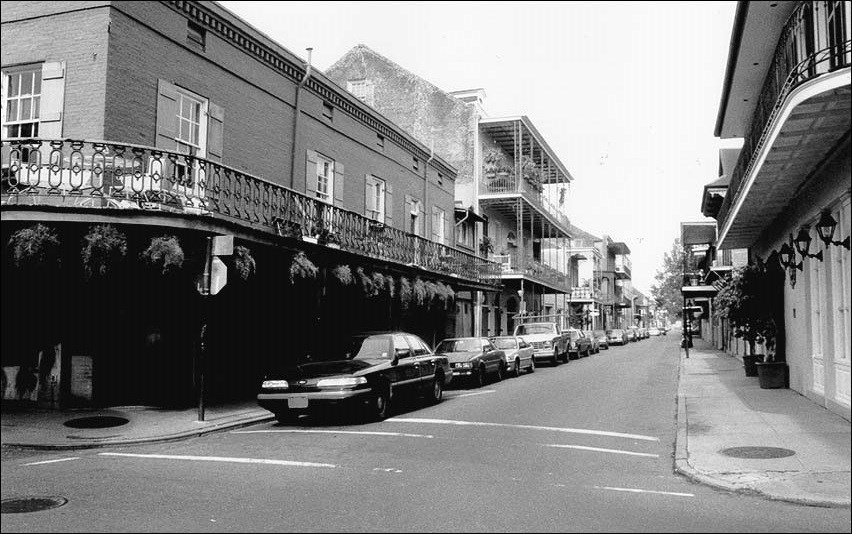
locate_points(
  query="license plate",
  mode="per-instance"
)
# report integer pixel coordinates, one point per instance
(297, 402)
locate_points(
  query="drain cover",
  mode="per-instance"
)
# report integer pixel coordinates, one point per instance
(31, 504)
(97, 421)
(757, 453)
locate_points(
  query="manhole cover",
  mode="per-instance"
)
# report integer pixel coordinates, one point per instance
(97, 421)
(757, 453)
(31, 504)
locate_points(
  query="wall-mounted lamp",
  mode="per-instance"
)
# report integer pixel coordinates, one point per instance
(825, 228)
(803, 244)
(787, 257)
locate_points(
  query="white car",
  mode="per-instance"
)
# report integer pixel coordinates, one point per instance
(519, 354)
(654, 331)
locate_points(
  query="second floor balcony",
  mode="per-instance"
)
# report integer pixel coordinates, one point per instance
(623, 267)
(517, 265)
(126, 181)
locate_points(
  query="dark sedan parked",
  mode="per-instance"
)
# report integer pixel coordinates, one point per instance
(383, 366)
(473, 358)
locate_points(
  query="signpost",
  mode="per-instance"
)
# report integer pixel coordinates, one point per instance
(212, 281)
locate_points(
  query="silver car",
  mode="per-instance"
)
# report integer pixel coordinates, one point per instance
(519, 354)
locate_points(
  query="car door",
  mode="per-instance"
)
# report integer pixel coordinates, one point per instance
(424, 360)
(525, 350)
(493, 357)
(406, 373)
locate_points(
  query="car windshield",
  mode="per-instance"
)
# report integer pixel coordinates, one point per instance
(459, 345)
(599, 333)
(574, 334)
(372, 348)
(505, 342)
(617, 332)
(527, 329)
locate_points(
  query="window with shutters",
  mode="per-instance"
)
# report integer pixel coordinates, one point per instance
(21, 102)
(190, 112)
(375, 198)
(415, 222)
(438, 221)
(363, 90)
(325, 179)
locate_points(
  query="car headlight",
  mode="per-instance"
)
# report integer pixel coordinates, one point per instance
(548, 344)
(347, 382)
(275, 384)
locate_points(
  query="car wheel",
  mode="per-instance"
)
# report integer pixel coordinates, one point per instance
(517, 372)
(437, 393)
(588, 351)
(556, 357)
(380, 405)
(479, 380)
(531, 368)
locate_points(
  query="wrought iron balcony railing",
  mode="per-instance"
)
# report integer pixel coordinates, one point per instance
(814, 41)
(99, 174)
(508, 183)
(513, 263)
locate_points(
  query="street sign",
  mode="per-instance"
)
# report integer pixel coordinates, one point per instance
(223, 245)
(218, 275)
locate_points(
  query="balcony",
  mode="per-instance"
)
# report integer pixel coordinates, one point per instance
(513, 265)
(492, 188)
(802, 110)
(129, 179)
(584, 294)
(622, 267)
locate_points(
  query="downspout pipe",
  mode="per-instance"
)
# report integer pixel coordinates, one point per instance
(297, 112)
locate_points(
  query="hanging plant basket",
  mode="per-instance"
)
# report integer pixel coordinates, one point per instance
(390, 286)
(406, 292)
(103, 247)
(302, 267)
(418, 289)
(35, 246)
(343, 274)
(431, 292)
(244, 262)
(378, 283)
(366, 282)
(164, 253)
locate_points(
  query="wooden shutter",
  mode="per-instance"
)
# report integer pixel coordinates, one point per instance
(52, 99)
(435, 234)
(369, 195)
(215, 132)
(389, 204)
(449, 238)
(421, 220)
(167, 102)
(338, 184)
(311, 173)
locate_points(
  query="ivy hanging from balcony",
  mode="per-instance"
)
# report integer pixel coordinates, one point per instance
(35, 246)
(244, 262)
(343, 274)
(406, 293)
(104, 246)
(302, 267)
(164, 253)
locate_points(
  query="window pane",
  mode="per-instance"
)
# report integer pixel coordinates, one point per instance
(36, 104)
(14, 80)
(12, 111)
(182, 134)
(14, 130)
(37, 88)
(26, 107)
(27, 130)
(194, 132)
(26, 83)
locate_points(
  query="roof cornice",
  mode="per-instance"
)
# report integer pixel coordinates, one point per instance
(255, 43)
(733, 52)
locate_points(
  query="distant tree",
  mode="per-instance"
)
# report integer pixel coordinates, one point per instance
(666, 291)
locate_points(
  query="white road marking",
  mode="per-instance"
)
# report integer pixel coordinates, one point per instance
(387, 469)
(295, 431)
(528, 427)
(631, 490)
(218, 459)
(483, 392)
(53, 461)
(615, 451)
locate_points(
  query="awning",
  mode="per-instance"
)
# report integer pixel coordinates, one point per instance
(698, 291)
(471, 215)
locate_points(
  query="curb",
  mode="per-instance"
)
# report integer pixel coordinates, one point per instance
(683, 467)
(177, 436)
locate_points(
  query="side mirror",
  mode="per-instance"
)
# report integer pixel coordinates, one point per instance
(395, 359)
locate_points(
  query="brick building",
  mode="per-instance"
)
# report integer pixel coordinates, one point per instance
(210, 128)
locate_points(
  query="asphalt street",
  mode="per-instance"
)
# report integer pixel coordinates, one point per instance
(583, 446)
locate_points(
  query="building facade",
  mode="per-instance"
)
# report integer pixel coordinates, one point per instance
(786, 93)
(510, 188)
(171, 122)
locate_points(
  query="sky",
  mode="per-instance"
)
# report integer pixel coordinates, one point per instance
(625, 93)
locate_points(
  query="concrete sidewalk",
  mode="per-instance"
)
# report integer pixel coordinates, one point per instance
(720, 408)
(33, 428)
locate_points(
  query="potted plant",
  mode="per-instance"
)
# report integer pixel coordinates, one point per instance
(164, 253)
(302, 267)
(492, 161)
(531, 173)
(745, 302)
(486, 246)
(35, 247)
(103, 247)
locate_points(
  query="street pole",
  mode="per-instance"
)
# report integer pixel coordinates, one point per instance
(202, 342)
